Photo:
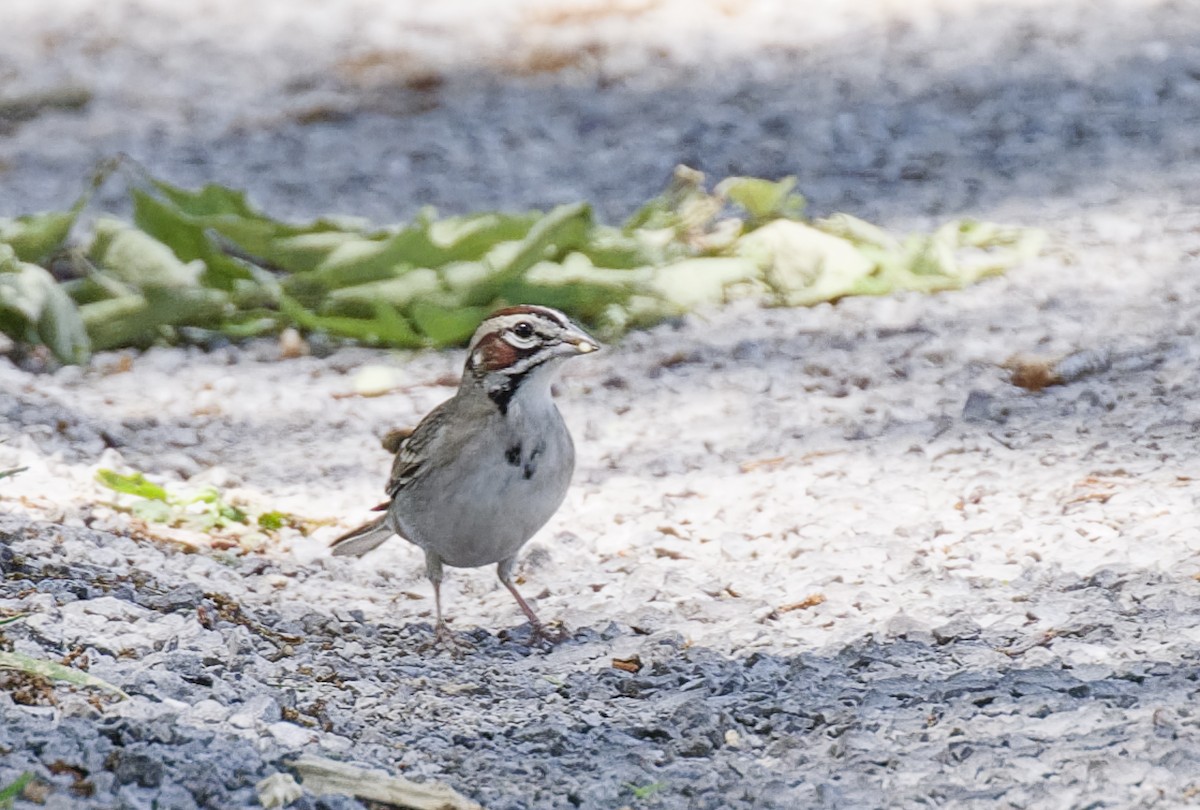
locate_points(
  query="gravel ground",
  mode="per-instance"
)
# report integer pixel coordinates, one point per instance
(859, 568)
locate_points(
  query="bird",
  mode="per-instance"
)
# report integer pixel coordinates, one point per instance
(486, 469)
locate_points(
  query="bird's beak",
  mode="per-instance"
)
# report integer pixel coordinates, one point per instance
(582, 341)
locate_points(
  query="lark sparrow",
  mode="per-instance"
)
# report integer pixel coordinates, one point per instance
(488, 467)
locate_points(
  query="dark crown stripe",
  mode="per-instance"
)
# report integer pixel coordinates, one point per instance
(530, 309)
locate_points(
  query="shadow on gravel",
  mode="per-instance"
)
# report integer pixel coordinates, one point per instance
(991, 104)
(949, 716)
(960, 113)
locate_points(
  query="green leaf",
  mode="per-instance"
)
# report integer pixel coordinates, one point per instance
(386, 327)
(137, 258)
(306, 251)
(135, 484)
(188, 239)
(470, 238)
(645, 791)
(206, 262)
(273, 521)
(579, 287)
(11, 792)
(666, 211)
(36, 237)
(421, 245)
(554, 235)
(61, 327)
(209, 200)
(762, 199)
(445, 326)
(138, 319)
(12, 619)
(399, 292)
(7, 473)
(225, 211)
(231, 513)
(153, 511)
(55, 672)
(612, 248)
(41, 311)
(362, 260)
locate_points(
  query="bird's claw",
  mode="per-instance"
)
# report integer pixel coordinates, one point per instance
(445, 639)
(550, 635)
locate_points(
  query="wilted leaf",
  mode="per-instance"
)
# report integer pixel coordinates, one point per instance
(858, 231)
(278, 790)
(696, 282)
(39, 309)
(153, 511)
(137, 258)
(55, 672)
(204, 262)
(803, 265)
(325, 776)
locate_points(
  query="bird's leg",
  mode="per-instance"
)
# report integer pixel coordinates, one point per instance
(504, 570)
(433, 570)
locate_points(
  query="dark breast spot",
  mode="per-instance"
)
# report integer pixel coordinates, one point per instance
(531, 464)
(513, 456)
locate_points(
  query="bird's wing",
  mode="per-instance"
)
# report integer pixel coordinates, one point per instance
(413, 451)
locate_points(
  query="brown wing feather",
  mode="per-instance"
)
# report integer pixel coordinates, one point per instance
(411, 452)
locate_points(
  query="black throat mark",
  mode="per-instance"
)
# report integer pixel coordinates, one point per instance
(503, 393)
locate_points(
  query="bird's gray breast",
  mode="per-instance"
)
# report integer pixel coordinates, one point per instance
(523, 456)
(498, 489)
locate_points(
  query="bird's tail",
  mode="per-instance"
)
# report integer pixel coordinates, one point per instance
(359, 541)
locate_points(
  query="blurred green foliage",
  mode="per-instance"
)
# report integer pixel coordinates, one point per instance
(208, 261)
(12, 791)
(204, 509)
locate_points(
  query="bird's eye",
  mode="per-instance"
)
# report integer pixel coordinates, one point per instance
(524, 329)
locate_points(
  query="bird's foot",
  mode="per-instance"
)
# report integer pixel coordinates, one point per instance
(553, 634)
(446, 639)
